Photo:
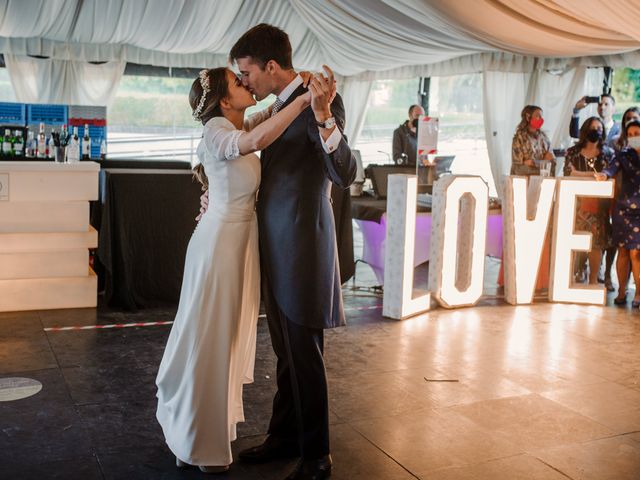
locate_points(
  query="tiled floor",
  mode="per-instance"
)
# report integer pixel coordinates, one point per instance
(540, 392)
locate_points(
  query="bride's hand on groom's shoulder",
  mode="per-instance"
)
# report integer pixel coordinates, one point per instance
(204, 204)
(306, 77)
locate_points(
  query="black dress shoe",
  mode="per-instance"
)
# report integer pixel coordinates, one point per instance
(272, 449)
(312, 469)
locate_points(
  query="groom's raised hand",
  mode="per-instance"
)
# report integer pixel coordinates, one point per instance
(323, 90)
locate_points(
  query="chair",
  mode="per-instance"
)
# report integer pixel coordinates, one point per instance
(358, 184)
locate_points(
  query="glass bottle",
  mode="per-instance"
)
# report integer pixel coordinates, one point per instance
(86, 143)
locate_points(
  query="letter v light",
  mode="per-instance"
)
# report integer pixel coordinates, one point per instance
(526, 212)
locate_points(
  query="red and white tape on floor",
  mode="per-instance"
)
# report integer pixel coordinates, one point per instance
(155, 324)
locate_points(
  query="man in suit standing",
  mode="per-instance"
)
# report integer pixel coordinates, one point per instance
(298, 255)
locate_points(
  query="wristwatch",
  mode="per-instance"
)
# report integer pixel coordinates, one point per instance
(328, 123)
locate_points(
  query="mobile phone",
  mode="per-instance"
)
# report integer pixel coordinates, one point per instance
(592, 99)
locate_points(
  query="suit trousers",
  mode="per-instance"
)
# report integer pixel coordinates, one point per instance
(301, 404)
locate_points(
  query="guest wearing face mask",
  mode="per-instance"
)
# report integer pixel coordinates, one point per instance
(530, 144)
(631, 113)
(405, 140)
(626, 212)
(606, 109)
(620, 143)
(587, 156)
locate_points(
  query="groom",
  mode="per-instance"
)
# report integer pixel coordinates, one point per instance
(298, 253)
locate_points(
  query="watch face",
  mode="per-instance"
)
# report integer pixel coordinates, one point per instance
(330, 123)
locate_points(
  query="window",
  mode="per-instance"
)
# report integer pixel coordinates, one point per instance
(389, 104)
(455, 100)
(150, 119)
(625, 89)
(6, 90)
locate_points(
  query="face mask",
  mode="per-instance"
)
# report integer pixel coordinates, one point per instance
(536, 123)
(634, 142)
(594, 135)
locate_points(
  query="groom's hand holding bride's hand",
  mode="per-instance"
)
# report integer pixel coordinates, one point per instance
(323, 90)
(204, 204)
(308, 76)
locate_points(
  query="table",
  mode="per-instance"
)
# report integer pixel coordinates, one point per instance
(145, 224)
(145, 221)
(371, 219)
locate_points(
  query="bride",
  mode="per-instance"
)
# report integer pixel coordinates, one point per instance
(211, 349)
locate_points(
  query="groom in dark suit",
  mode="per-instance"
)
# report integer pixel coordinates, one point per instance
(298, 253)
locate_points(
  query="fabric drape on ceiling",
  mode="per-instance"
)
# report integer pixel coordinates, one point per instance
(36, 80)
(353, 36)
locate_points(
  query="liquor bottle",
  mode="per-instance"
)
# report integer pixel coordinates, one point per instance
(51, 147)
(41, 150)
(64, 136)
(18, 145)
(103, 149)
(73, 149)
(1, 145)
(7, 144)
(86, 143)
(30, 147)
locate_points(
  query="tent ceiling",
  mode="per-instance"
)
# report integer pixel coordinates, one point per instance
(354, 36)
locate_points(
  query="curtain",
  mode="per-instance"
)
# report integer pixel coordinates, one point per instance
(355, 95)
(504, 96)
(557, 93)
(36, 80)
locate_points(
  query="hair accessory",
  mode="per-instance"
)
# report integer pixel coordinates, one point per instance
(204, 82)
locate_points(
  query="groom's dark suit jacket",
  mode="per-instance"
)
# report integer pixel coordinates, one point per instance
(298, 253)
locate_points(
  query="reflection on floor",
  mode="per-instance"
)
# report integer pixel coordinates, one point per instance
(540, 392)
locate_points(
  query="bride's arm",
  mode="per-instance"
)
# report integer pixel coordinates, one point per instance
(257, 118)
(269, 130)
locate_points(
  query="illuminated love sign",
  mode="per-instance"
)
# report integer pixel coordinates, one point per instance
(458, 236)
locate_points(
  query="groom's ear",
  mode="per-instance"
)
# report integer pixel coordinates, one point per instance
(271, 67)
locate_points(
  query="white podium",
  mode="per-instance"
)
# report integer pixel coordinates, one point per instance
(45, 235)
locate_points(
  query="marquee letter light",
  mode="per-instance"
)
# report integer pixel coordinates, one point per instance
(565, 241)
(398, 299)
(458, 240)
(526, 212)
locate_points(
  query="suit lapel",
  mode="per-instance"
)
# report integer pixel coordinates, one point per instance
(265, 156)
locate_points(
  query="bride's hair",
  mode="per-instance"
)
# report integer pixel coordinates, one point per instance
(212, 85)
(214, 81)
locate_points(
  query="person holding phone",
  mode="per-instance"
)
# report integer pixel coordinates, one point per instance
(606, 110)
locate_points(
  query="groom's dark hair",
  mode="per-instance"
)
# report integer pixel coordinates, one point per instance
(262, 43)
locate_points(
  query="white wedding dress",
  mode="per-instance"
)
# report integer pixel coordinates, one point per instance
(210, 352)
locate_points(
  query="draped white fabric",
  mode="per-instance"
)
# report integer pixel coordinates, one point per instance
(504, 94)
(354, 36)
(355, 94)
(36, 80)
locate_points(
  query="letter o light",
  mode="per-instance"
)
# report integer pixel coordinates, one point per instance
(458, 240)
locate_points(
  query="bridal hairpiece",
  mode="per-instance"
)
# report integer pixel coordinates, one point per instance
(204, 82)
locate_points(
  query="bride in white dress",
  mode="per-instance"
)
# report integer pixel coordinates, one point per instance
(211, 349)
